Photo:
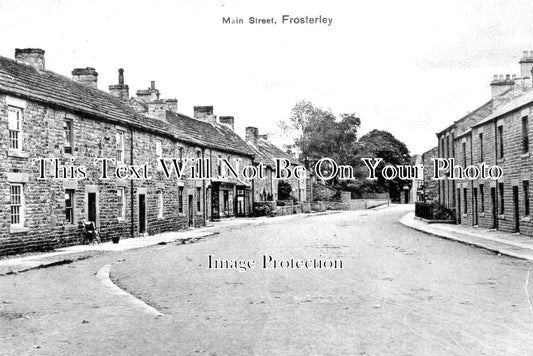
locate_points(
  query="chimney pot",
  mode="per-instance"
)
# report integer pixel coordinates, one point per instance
(525, 54)
(31, 56)
(149, 94)
(507, 76)
(121, 76)
(495, 77)
(120, 90)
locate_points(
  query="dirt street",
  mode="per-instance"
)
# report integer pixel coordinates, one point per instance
(399, 292)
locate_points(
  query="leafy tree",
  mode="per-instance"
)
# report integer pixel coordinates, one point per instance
(382, 144)
(318, 133)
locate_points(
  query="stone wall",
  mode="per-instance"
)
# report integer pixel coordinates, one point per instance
(45, 225)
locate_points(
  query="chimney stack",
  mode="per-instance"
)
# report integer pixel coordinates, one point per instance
(252, 134)
(120, 90)
(526, 64)
(31, 56)
(228, 121)
(205, 113)
(172, 104)
(149, 94)
(158, 109)
(86, 76)
(501, 84)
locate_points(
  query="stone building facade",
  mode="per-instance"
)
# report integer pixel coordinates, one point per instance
(267, 189)
(56, 131)
(496, 134)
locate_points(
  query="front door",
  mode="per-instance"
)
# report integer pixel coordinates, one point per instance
(516, 209)
(91, 207)
(191, 210)
(459, 211)
(142, 213)
(494, 205)
(474, 198)
(215, 210)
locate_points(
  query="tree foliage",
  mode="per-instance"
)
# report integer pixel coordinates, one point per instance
(318, 133)
(382, 144)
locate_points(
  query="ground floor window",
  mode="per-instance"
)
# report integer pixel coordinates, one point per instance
(180, 200)
(160, 204)
(465, 199)
(69, 206)
(526, 197)
(502, 205)
(198, 201)
(482, 198)
(16, 200)
(121, 203)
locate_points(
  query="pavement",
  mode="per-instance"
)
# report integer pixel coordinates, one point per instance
(504, 243)
(22, 263)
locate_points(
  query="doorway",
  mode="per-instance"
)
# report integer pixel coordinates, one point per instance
(191, 210)
(142, 214)
(494, 208)
(91, 207)
(516, 207)
(474, 206)
(459, 211)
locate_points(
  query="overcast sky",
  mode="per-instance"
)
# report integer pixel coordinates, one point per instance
(409, 67)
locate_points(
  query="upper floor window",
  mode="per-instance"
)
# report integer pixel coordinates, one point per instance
(16, 200)
(481, 146)
(68, 136)
(500, 142)
(120, 146)
(525, 135)
(159, 152)
(464, 154)
(15, 128)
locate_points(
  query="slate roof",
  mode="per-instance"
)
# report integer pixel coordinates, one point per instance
(513, 105)
(45, 86)
(266, 152)
(203, 133)
(49, 87)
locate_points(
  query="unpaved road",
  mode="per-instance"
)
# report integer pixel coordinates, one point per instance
(400, 292)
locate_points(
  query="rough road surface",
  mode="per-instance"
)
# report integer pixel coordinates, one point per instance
(400, 292)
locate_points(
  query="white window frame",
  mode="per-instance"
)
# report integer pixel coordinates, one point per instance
(160, 204)
(21, 204)
(159, 153)
(72, 206)
(15, 127)
(70, 141)
(121, 206)
(120, 146)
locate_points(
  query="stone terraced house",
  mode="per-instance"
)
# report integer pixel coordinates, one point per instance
(266, 152)
(497, 133)
(54, 129)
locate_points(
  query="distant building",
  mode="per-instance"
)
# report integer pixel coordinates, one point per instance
(266, 152)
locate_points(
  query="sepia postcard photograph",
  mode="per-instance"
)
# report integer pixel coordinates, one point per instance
(231, 177)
